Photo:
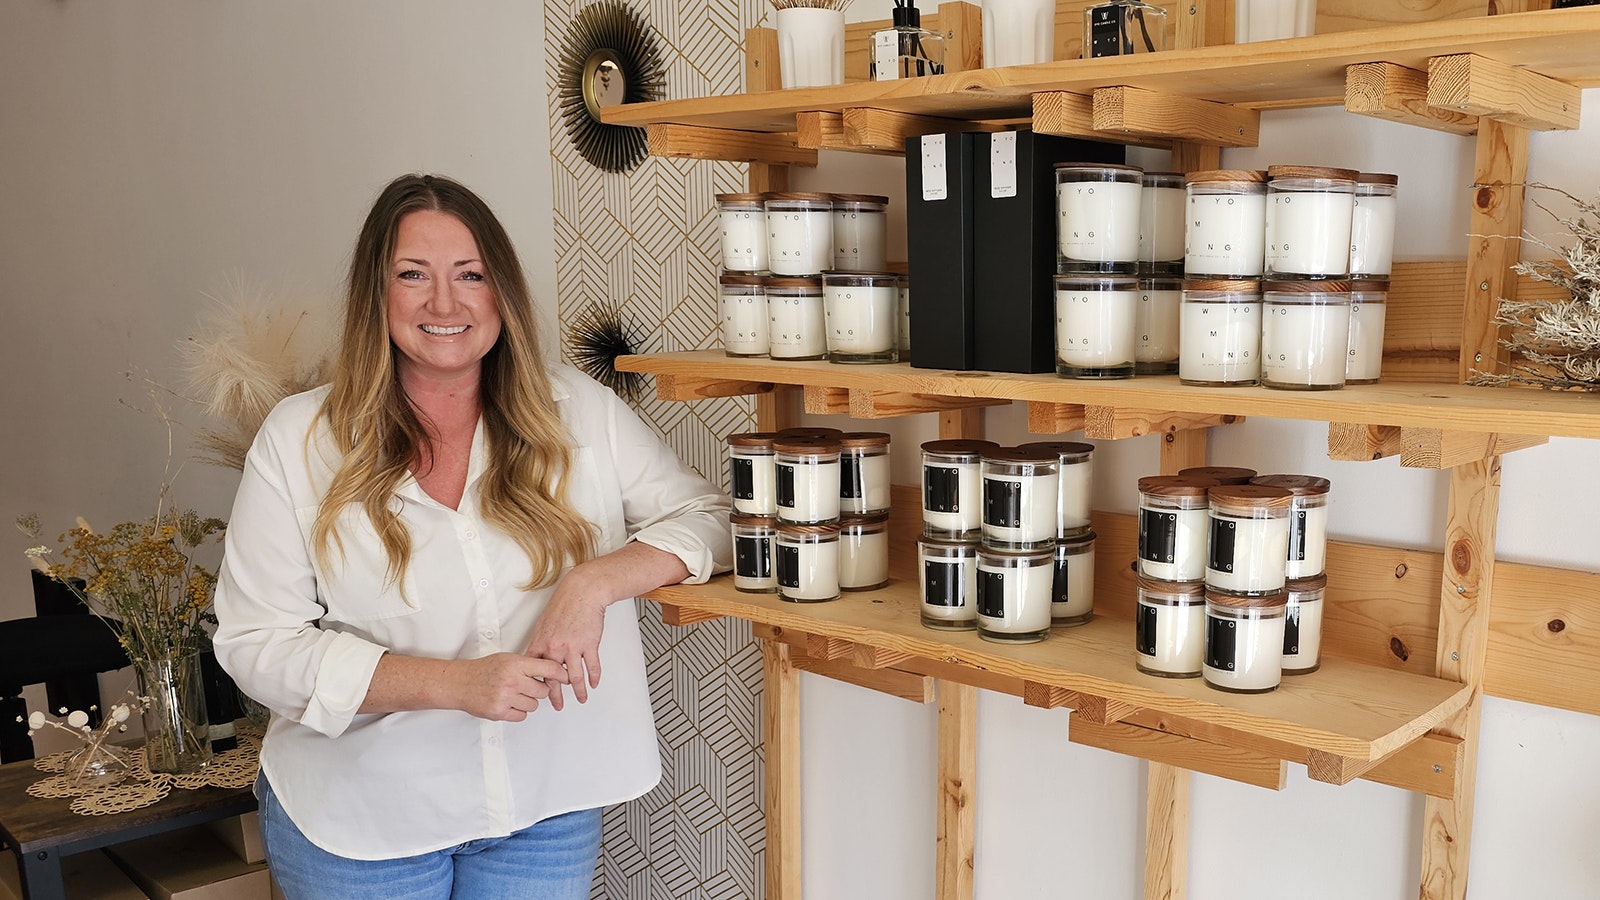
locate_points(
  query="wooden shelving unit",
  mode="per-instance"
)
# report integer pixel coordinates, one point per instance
(1407, 718)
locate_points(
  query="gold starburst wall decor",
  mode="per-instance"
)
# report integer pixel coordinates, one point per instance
(609, 57)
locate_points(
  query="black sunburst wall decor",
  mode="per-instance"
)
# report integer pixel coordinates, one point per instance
(609, 57)
(596, 338)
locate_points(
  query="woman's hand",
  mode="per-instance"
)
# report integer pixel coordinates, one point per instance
(504, 687)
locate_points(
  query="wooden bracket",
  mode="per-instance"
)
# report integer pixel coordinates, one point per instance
(1102, 710)
(869, 657)
(1427, 766)
(1054, 418)
(1047, 696)
(867, 130)
(1234, 763)
(825, 131)
(1475, 84)
(684, 387)
(1399, 94)
(1435, 448)
(826, 401)
(905, 685)
(1134, 110)
(679, 616)
(1332, 768)
(1351, 442)
(1072, 115)
(698, 142)
(820, 646)
(865, 404)
(1111, 423)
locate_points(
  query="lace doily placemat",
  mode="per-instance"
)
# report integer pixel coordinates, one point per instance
(233, 769)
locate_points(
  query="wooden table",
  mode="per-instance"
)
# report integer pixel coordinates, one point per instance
(41, 831)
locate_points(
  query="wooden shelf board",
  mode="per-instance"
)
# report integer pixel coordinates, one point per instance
(1308, 71)
(1346, 709)
(1450, 407)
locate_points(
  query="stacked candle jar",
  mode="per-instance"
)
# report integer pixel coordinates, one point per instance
(810, 512)
(1306, 569)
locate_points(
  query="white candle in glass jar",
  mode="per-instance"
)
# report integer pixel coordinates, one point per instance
(1156, 323)
(1161, 221)
(1075, 475)
(1174, 518)
(1302, 629)
(1308, 522)
(1021, 491)
(1247, 545)
(1097, 209)
(808, 562)
(1219, 333)
(949, 583)
(952, 487)
(743, 221)
(860, 227)
(751, 464)
(1244, 647)
(1372, 226)
(1014, 594)
(1095, 332)
(1169, 630)
(799, 233)
(863, 552)
(745, 318)
(864, 478)
(807, 480)
(1225, 229)
(754, 552)
(798, 325)
(1309, 210)
(1072, 588)
(861, 315)
(1368, 309)
(1305, 334)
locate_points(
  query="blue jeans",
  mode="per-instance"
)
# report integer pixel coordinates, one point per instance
(549, 860)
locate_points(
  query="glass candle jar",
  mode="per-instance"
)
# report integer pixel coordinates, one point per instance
(949, 584)
(745, 319)
(755, 541)
(1369, 306)
(797, 327)
(1309, 209)
(1072, 588)
(905, 317)
(1308, 522)
(1075, 472)
(743, 218)
(1020, 491)
(1247, 544)
(807, 479)
(1161, 228)
(860, 232)
(1244, 642)
(1372, 226)
(1302, 625)
(863, 552)
(861, 311)
(809, 431)
(1014, 594)
(1095, 332)
(751, 461)
(1220, 474)
(799, 233)
(1174, 515)
(952, 488)
(864, 473)
(1305, 334)
(1155, 321)
(1169, 628)
(1219, 333)
(808, 562)
(1225, 229)
(1097, 217)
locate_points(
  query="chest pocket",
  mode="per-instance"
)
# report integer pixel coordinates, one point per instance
(354, 584)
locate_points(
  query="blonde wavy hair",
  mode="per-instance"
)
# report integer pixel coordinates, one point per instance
(378, 431)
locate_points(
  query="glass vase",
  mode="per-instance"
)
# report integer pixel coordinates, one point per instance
(97, 765)
(177, 734)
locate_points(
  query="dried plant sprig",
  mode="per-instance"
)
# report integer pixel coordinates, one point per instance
(77, 724)
(840, 5)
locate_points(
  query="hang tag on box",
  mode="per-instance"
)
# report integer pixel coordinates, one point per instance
(934, 183)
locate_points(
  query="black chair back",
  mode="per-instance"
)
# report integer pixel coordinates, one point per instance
(36, 650)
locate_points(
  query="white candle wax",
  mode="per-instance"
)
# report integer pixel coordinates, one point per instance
(1219, 343)
(799, 241)
(1020, 510)
(753, 568)
(744, 240)
(1366, 341)
(809, 571)
(1302, 636)
(1372, 235)
(1172, 543)
(754, 484)
(1098, 220)
(1308, 232)
(1305, 344)
(744, 324)
(808, 493)
(1072, 510)
(949, 586)
(1225, 235)
(1171, 639)
(1308, 541)
(1072, 587)
(957, 506)
(871, 476)
(1247, 556)
(861, 319)
(859, 239)
(863, 560)
(1094, 329)
(1161, 223)
(1255, 662)
(1156, 323)
(1014, 600)
(798, 327)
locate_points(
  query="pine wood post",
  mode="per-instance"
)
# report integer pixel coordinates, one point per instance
(1495, 223)
(954, 852)
(780, 720)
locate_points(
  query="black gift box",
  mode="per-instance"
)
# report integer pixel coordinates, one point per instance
(939, 247)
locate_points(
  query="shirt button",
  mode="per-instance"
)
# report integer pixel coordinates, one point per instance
(488, 634)
(483, 582)
(469, 534)
(494, 742)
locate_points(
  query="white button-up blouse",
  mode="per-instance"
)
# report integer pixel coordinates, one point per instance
(304, 640)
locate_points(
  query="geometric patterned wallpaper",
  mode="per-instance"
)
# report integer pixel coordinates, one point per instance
(647, 240)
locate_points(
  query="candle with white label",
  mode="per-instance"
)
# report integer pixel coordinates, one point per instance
(860, 229)
(1244, 642)
(863, 552)
(799, 233)
(1305, 334)
(743, 219)
(864, 472)
(1219, 333)
(1302, 626)
(1021, 490)
(751, 462)
(1156, 322)
(1308, 522)
(1372, 226)
(1309, 210)
(1226, 224)
(1247, 546)
(808, 562)
(745, 318)
(1174, 518)
(1169, 628)
(1075, 474)
(1072, 589)
(861, 314)
(949, 585)
(1161, 224)
(1014, 594)
(807, 479)
(1097, 212)
(1095, 331)
(797, 326)
(754, 552)
(952, 488)
(1369, 306)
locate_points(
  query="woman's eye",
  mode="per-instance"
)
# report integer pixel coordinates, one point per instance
(410, 275)
(472, 276)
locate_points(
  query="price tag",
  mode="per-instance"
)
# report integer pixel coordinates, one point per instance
(934, 186)
(886, 56)
(1003, 164)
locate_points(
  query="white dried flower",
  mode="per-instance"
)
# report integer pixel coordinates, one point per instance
(36, 720)
(119, 713)
(78, 718)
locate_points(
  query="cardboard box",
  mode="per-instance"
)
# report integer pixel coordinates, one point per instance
(90, 875)
(191, 864)
(939, 248)
(243, 834)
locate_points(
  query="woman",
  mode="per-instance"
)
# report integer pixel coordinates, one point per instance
(424, 555)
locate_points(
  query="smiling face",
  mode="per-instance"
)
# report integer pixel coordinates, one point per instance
(443, 316)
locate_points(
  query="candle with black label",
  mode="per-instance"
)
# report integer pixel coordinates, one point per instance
(754, 550)
(952, 488)
(1244, 642)
(1014, 594)
(1308, 522)
(863, 552)
(1302, 630)
(1169, 628)
(1021, 490)
(1247, 546)
(1075, 474)
(807, 479)
(1072, 591)
(864, 473)
(1173, 518)
(808, 562)
(750, 472)
(949, 584)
